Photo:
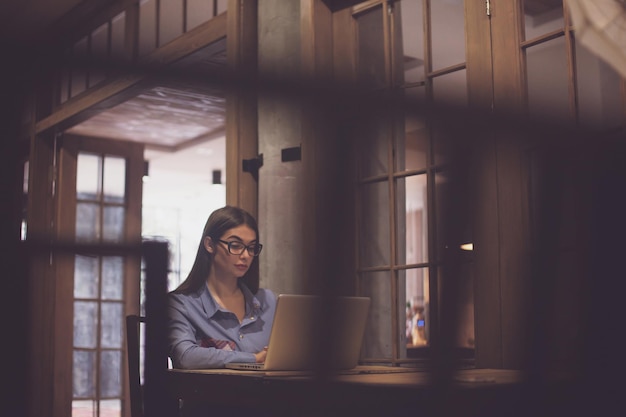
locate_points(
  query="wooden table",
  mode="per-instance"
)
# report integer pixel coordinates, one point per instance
(366, 390)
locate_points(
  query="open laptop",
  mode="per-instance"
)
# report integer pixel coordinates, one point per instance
(312, 332)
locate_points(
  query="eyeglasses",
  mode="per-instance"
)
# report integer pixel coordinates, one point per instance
(237, 248)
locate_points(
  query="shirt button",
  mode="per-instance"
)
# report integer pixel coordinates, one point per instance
(240, 336)
(251, 317)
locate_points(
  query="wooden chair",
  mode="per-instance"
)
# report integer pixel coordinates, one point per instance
(133, 346)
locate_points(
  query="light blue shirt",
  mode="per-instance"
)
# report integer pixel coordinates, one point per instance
(202, 335)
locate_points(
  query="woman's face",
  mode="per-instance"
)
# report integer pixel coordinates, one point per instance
(225, 262)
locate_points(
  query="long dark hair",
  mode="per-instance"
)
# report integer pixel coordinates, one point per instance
(218, 223)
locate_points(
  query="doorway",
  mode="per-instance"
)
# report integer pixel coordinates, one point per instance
(179, 125)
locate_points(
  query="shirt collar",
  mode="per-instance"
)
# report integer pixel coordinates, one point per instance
(211, 307)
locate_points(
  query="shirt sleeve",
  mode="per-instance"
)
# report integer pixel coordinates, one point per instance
(184, 349)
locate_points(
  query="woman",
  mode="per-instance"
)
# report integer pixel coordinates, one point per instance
(219, 314)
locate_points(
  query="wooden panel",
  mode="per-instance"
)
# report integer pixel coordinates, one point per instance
(512, 184)
(241, 105)
(507, 27)
(326, 197)
(41, 279)
(65, 225)
(478, 55)
(501, 218)
(487, 303)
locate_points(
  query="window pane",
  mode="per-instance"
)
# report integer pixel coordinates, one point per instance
(88, 177)
(83, 375)
(441, 188)
(113, 227)
(111, 325)
(412, 228)
(451, 89)
(111, 408)
(114, 188)
(82, 408)
(118, 36)
(198, 11)
(99, 51)
(147, 26)
(65, 70)
(170, 20)
(548, 95)
(371, 48)
(85, 324)
(112, 277)
(417, 296)
(599, 95)
(377, 341)
(374, 227)
(412, 148)
(448, 33)
(222, 6)
(542, 17)
(412, 18)
(79, 75)
(85, 276)
(87, 222)
(110, 373)
(373, 133)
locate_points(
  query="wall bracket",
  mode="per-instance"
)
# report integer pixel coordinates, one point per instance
(252, 166)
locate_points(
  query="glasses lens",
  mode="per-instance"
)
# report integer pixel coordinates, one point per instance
(254, 250)
(236, 248)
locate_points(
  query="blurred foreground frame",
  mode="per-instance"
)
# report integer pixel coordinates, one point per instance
(566, 271)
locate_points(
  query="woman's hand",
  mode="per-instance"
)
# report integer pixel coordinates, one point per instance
(260, 356)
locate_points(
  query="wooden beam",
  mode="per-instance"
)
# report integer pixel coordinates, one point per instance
(241, 106)
(120, 89)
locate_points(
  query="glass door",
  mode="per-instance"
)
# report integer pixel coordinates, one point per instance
(100, 206)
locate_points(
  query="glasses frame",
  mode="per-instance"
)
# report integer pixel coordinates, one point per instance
(249, 248)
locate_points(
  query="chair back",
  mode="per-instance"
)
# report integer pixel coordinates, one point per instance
(133, 347)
